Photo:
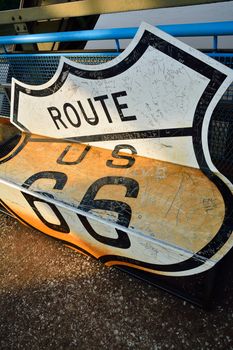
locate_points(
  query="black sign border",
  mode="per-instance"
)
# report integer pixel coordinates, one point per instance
(216, 80)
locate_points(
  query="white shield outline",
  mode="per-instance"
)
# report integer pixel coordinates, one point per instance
(220, 78)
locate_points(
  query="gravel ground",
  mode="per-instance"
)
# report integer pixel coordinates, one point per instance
(54, 298)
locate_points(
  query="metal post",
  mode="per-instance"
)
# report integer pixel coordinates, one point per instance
(117, 45)
(215, 43)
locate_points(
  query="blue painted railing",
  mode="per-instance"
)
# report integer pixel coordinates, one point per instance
(213, 29)
(22, 65)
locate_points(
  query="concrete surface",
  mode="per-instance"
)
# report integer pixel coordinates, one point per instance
(54, 298)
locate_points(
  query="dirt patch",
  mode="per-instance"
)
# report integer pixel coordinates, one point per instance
(54, 298)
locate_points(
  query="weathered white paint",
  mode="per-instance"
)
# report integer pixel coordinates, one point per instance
(160, 93)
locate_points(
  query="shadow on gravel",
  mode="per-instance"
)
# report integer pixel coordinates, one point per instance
(53, 298)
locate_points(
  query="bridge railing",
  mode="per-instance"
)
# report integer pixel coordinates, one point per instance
(212, 29)
(37, 68)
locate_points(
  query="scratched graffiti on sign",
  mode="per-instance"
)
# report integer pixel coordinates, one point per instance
(159, 94)
(141, 190)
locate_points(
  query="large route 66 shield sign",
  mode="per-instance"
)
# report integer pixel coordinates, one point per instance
(155, 100)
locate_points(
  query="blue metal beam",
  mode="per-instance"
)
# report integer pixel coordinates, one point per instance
(181, 30)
